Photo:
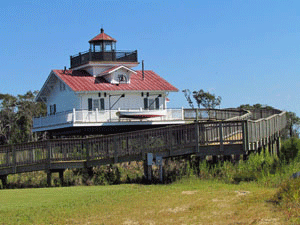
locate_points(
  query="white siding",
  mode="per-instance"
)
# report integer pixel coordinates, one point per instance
(65, 100)
(130, 101)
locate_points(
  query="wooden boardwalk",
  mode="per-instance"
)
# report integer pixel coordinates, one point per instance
(232, 136)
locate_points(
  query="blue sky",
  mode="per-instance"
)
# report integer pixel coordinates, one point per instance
(247, 52)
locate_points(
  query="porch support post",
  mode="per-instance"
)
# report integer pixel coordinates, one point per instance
(96, 114)
(74, 115)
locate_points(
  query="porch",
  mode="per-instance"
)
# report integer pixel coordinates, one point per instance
(86, 118)
(79, 117)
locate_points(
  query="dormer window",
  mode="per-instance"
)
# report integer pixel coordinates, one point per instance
(122, 78)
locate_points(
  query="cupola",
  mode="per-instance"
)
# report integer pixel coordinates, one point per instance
(103, 53)
(103, 43)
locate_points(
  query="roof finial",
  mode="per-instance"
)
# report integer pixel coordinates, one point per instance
(102, 30)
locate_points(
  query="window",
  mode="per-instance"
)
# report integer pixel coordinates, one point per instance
(145, 103)
(102, 106)
(122, 78)
(90, 104)
(52, 109)
(151, 103)
(94, 104)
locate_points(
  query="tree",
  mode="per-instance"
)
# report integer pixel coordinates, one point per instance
(293, 124)
(187, 95)
(16, 115)
(255, 106)
(206, 99)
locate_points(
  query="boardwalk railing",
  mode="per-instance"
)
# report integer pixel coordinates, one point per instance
(262, 131)
(201, 138)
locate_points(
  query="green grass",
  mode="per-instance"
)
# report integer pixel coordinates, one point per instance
(189, 201)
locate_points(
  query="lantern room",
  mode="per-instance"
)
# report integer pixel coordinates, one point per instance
(103, 51)
(102, 43)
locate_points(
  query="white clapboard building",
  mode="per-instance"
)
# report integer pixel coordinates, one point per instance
(102, 93)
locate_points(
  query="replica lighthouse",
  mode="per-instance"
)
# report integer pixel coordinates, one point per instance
(102, 93)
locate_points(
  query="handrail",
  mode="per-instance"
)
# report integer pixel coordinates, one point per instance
(251, 134)
(115, 51)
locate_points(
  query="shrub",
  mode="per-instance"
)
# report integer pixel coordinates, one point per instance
(288, 197)
(290, 150)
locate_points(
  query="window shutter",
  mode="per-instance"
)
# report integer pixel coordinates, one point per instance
(54, 108)
(145, 103)
(157, 103)
(90, 104)
(102, 104)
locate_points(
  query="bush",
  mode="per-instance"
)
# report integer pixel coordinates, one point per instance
(258, 165)
(288, 197)
(290, 150)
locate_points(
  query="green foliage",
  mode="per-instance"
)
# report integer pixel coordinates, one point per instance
(293, 124)
(255, 106)
(16, 115)
(206, 99)
(290, 150)
(288, 197)
(202, 98)
(257, 166)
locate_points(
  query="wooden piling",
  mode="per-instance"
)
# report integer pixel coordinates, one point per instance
(4, 181)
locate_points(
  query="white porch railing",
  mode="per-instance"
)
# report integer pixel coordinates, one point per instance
(100, 116)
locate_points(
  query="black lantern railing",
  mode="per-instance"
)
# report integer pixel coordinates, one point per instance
(88, 56)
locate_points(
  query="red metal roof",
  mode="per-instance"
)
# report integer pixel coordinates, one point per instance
(103, 37)
(83, 81)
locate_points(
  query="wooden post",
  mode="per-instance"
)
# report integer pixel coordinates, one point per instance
(221, 138)
(48, 164)
(197, 134)
(87, 151)
(61, 177)
(169, 139)
(14, 160)
(90, 172)
(214, 159)
(145, 165)
(9, 150)
(245, 138)
(49, 178)
(4, 181)
(115, 149)
(148, 166)
(278, 145)
(159, 163)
